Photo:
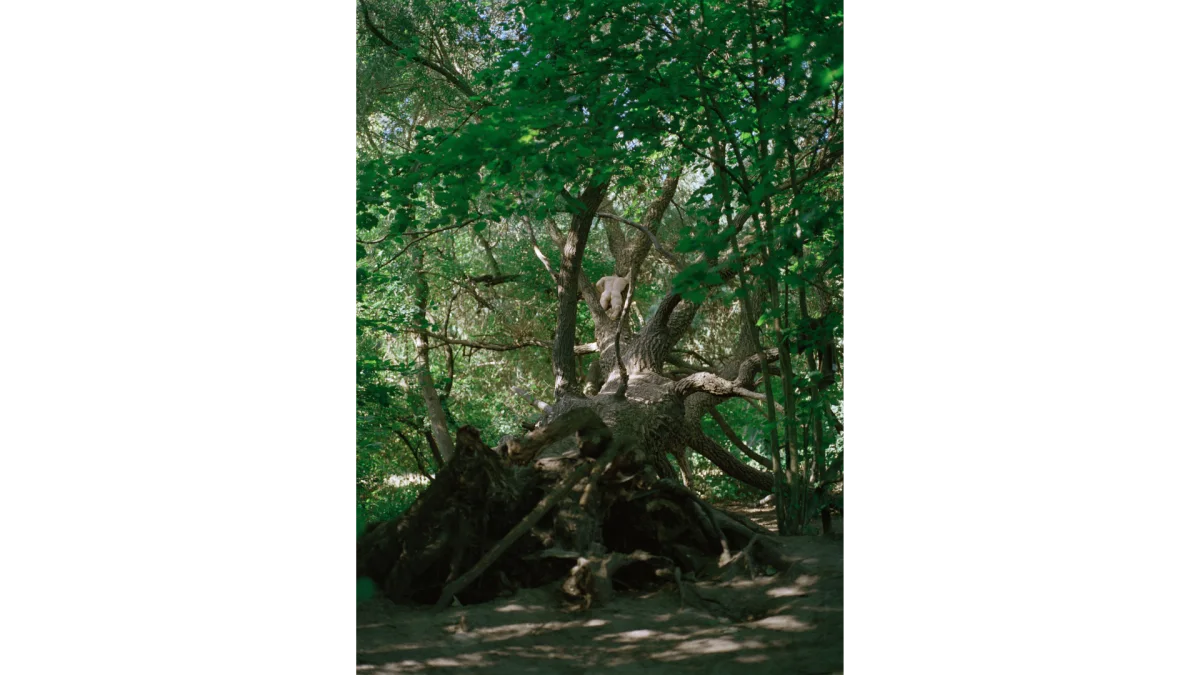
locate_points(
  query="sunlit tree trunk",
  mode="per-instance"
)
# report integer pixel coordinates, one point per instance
(443, 444)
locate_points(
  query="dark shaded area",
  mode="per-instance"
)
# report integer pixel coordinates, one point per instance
(609, 524)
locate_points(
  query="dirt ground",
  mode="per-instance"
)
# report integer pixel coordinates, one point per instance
(787, 623)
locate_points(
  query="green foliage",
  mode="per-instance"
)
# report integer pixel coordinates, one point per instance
(387, 502)
(718, 487)
(366, 589)
(479, 124)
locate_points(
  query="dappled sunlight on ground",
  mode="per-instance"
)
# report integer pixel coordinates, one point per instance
(782, 624)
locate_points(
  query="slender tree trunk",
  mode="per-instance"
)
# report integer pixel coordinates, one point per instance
(489, 256)
(845, 353)
(783, 515)
(791, 506)
(433, 405)
(804, 479)
(819, 461)
(563, 353)
(433, 449)
(819, 464)
(791, 447)
(750, 327)
(794, 450)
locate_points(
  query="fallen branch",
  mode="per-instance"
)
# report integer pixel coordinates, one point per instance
(747, 530)
(743, 554)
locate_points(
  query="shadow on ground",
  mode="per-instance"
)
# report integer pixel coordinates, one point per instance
(788, 623)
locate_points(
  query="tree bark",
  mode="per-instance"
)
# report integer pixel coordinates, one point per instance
(486, 524)
(563, 353)
(433, 405)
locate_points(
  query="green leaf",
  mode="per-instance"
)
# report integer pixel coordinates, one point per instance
(367, 221)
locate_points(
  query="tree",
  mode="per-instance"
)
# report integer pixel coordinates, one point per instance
(704, 141)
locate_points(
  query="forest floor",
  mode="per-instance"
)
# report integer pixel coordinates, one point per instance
(787, 623)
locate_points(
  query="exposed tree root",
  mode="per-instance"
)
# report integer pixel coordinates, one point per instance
(593, 517)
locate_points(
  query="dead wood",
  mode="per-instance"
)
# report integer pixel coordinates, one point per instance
(593, 517)
(543, 507)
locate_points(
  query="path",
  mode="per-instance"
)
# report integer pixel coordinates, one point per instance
(775, 625)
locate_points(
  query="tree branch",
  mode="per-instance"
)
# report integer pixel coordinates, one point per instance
(416, 455)
(468, 287)
(372, 242)
(670, 258)
(733, 438)
(837, 424)
(537, 251)
(586, 348)
(712, 384)
(716, 385)
(582, 421)
(701, 443)
(716, 163)
(495, 279)
(696, 355)
(451, 78)
(422, 236)
(486, 346)
(525, 394)
(751, 365)
(579, 350)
